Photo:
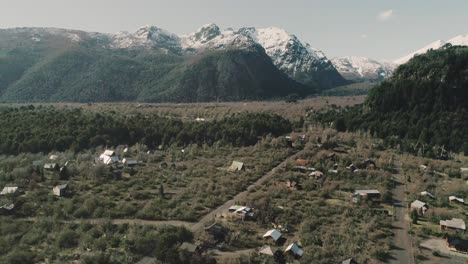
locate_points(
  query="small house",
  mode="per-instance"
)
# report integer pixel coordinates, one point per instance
(129, 162)
(428, 194)
(454, 199)
(419, 207)
(423, 167)
(352, 168)
(464, 171)
(266, 250)
(53, 157)
(7, 208)
(60, 190)
(51, 167)
(9, 189)
(372, 195)
(109, 157)
(236, 166)
(241, 211)
(317, 175)
(294, 250)
(349, 261)
(454, 224)
(190, 248)
(272, 234)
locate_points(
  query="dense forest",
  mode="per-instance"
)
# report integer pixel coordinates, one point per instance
(424, 105)
(42, 129)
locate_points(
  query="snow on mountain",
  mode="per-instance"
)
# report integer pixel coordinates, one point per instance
(298, 60)
(434, 45)
(211, 37)
(363, 69)
(286, 51)
(461, 40)
(146, 37)
(38, 34)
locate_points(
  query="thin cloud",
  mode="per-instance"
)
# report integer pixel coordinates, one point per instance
(385, 15)
(364, 36)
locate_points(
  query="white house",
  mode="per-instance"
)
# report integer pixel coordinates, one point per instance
(426, 193)
(129, 162)
(454, 224)
(9, 189)
(454, 199)
(420, 207)
(241, 210)
(273, 233)
(109, 157)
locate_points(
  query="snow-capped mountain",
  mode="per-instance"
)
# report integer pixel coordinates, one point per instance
(298, 60)
(211, 37)
(461, 40)
(290, 55)
(359, 69)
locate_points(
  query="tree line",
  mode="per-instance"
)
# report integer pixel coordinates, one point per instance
(43, 129)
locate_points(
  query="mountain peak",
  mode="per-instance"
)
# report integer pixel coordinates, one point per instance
(460, 40)
(206, 33)
(355, 68)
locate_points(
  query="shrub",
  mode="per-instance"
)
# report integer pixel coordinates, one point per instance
(67, 239)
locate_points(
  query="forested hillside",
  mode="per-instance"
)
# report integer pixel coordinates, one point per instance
(58, 65)
(424, 103)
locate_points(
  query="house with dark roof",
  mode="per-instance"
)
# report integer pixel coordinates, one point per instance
(367, 195)
(294, 250)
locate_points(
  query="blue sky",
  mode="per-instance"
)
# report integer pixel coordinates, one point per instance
(380, 29)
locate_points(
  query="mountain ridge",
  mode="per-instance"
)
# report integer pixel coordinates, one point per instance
(460, 40)
(362, 69)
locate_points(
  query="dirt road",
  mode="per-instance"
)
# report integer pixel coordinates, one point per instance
(402, 251)
(211, 215)
(193, 226)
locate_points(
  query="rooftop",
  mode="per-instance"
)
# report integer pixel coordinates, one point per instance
(454, 223)
(273, 233)
(418, 204)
